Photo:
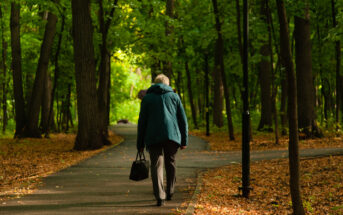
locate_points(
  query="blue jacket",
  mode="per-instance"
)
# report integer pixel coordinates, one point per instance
(161, 118)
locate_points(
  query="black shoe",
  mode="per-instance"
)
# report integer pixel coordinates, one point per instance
(169, 197)
(160, 203)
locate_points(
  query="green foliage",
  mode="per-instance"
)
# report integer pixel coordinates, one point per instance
(127, 81)
(147, 38)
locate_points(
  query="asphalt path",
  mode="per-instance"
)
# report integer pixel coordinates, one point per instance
(101, 185)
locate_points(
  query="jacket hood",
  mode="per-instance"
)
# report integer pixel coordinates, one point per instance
(159, 89)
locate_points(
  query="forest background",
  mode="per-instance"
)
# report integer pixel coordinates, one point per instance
(78, 67)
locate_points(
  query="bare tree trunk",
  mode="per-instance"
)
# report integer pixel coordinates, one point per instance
(219, 65)
(32, 129)
(287, 62)
(88, 134)
(20, 117)
(190, 94)
(306, 99)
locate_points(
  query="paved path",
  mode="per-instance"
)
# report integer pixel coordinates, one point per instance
(100, 185)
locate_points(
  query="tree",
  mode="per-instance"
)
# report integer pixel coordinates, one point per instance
(20, 116)
(338, 65)
(32, 129)
(104, 72)
(287, 62)
(303, 53)
(219, 68)
(265, 75)
(190, 94)
(88, 134)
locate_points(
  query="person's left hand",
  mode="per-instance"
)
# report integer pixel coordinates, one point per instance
(183, 147)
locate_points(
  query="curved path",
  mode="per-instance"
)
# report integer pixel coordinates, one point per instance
(100, 185)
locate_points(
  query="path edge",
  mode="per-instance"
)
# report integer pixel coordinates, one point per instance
(193, 201)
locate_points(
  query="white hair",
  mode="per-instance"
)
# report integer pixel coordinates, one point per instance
(161, 78)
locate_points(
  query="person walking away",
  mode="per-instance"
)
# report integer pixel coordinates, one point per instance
(162, 129)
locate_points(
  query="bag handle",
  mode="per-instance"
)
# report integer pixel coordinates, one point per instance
(141, 154)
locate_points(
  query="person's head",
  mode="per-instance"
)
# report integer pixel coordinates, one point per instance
(162, 79)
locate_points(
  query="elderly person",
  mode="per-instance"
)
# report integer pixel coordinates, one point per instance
(162, 129)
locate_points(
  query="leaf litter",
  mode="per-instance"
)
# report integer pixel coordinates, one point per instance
(24, 162)
(321, 179)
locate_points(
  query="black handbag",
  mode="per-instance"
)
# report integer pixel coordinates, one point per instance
(139, 168)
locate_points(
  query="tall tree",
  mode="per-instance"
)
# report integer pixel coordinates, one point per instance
(20, 117)
(32, 129)
(88, 134)
(207, 99)
(219, 65)
(338, 65)
(303, 54)
(56, 72)
(265, 75)
(190, 94)
(293, 148)
(104, 71)
(217, 97)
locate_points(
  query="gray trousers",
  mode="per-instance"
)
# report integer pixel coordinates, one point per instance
(159, 153)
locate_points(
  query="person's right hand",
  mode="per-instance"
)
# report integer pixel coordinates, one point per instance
(183, 147)
(141, 149)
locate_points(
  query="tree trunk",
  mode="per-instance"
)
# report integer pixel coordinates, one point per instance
(338, 66)
(3, 67)
(219, 65)
(199, 92)
(265, 84)
(287, 62)
(273, 71)
(17, 70)
(46, 101)
(104, 74)
(306, 100)
(32, 129)
(265, 77)
(190, 95)
(56, 73)
(217, 99)
(88, 134)
(283, 110)
(207, 108)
